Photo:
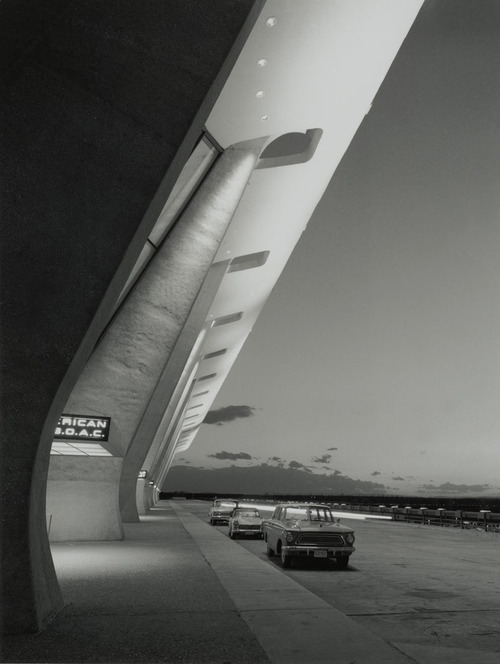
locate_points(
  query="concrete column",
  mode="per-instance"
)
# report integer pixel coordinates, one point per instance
(168, 392)
(121, 376)
(81, 498)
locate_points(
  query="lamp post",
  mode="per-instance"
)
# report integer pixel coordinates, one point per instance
(441, 515)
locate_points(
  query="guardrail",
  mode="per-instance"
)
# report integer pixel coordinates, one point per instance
(482, 520)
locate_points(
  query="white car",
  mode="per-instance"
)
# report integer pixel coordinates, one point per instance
(221, 510)
(245, 521)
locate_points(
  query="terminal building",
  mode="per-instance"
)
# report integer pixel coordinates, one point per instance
(160, 162)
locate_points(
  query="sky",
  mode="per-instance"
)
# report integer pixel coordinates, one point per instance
(375, 364)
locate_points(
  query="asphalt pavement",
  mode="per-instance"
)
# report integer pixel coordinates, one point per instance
(179, 590)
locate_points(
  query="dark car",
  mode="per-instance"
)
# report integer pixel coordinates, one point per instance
(306, 530)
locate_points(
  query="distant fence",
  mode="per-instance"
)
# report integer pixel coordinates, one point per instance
(482, 520)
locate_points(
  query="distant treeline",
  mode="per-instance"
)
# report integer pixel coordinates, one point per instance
(456, 503)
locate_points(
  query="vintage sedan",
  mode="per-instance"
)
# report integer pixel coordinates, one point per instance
(245, 521)
(221, 510)
(303, 529)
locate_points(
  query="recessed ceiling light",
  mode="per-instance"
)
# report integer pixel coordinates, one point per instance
(260, 94)
(262, 62)
(271, 21)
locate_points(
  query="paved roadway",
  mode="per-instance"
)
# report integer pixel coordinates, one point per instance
(179, 591)
(414, 586)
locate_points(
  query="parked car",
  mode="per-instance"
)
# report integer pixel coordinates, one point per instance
(245, 521)
(303, 529)
(221, 510)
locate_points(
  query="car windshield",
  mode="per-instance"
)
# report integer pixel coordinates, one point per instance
(309, 514)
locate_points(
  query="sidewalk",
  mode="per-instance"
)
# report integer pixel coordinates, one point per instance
(149, 598)
(179, 590)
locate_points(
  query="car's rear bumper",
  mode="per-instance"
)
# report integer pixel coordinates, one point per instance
(318, 551)
(248, 531)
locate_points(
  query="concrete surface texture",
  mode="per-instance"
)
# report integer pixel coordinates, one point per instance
(91, 148)
(292, 623)
(82, 501)
(149, 598)
(429, 592)
(179, 590)
(122, 373)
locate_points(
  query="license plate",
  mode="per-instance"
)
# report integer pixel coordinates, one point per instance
(321, 554)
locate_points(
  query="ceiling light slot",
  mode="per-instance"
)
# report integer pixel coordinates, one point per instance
(225, 320)
(207, 377)
(216, 353)
(248, 261)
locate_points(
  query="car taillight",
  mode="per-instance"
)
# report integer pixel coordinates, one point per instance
(350, 538)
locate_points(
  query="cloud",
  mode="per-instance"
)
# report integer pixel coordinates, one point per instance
(448, 487)
(332, 449)
(277, 460)
(375, 473)
(230, 455)
(227, 414)
(398, 479)
(322, 459)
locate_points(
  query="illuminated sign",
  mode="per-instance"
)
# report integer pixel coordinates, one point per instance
(77, 427)
(143, 474)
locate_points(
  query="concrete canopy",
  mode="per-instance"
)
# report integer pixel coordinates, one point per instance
(104, 104)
